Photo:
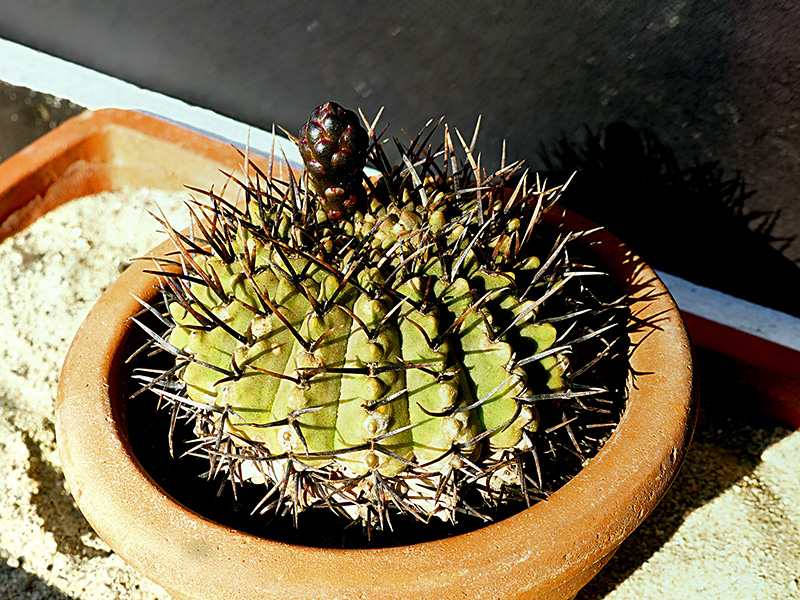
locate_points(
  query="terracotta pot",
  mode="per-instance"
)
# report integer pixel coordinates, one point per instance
(548, 551)
(103, 150)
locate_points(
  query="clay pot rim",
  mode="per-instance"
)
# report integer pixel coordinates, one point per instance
(598, 508)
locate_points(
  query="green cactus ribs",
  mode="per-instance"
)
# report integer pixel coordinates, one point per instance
(418, 343)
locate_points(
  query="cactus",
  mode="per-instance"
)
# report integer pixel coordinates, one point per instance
(334, 149)
(380, 345)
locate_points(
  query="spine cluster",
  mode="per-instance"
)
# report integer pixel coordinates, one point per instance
(384, 348)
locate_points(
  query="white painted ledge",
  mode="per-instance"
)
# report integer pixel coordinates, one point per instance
(32, 69)
(29, 68)
(775, 326)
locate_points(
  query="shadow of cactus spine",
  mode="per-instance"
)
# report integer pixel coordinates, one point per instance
(692, 221)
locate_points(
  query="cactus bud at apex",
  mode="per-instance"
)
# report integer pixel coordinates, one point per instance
(333, 145)
(417, 343)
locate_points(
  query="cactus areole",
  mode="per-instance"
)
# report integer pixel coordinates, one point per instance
(413, 342)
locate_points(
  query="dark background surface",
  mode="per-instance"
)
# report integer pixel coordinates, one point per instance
(713, 79)
(680, 116)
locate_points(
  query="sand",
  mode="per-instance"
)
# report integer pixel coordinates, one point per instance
(53, 272)
(728, 528)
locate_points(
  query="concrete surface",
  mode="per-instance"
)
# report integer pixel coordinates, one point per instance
(27, 114)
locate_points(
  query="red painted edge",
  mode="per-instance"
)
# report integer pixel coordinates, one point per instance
(771, 372)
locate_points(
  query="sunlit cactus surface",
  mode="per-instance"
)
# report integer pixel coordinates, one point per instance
(402, 341)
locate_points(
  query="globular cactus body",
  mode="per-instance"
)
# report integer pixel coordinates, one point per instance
(381, 337)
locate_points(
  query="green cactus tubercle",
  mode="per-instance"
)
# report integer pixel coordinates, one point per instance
(371, 332)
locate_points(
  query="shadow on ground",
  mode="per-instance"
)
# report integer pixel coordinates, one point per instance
(16, 582)
(55, 505)
(728, 443)
(691, 221)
